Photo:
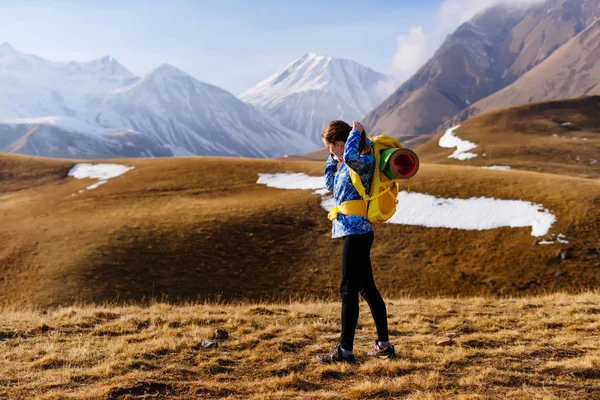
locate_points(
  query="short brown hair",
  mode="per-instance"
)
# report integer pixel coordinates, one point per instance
(339, 131)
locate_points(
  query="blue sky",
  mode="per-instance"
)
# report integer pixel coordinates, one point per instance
(229, 43)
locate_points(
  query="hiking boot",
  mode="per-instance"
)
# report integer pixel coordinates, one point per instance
(386, 353)
(335, 356)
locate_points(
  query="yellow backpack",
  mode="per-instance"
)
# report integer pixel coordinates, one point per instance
(380, 204)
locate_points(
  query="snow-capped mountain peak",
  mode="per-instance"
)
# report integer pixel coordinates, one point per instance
(167, 71)
(35, 87)
(164, 78)
(308, 72)
(314, 89)
(190, 117)
(107, 66)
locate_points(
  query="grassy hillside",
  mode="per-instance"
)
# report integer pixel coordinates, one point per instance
(526, 348)
(560, 137)
(201, 227)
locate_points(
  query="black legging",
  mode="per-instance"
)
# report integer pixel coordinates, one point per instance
(357, 277)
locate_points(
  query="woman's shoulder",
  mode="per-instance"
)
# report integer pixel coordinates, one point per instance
(369, 154)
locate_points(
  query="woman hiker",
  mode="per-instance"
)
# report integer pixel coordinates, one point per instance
(351, 147)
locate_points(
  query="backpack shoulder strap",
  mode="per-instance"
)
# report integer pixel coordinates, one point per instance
(384, 142)
(358, 184)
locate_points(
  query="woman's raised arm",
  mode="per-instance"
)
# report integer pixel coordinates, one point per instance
(330, 170)
(352, 157)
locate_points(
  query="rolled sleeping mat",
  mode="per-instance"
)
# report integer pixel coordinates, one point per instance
(399, 163)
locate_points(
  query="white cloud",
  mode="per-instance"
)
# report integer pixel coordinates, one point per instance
(411, 53)
(416, 47)
(387, 87)
(454, 12)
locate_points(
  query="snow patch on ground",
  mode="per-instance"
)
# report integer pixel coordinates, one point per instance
(571, 138)
(294, 181)
(476, 213)
(560, 239)
(102, 172)
(499, 167)
(450, 140)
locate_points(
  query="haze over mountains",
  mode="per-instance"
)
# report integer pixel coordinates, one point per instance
(506, 55)
(99, 109)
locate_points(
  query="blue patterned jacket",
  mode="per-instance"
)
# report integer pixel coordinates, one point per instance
(343, 189)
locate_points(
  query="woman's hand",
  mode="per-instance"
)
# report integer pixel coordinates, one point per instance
(358, 126)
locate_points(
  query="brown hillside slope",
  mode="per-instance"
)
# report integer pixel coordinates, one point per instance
(14, 177)
(572, 70)
(561, 137)
(202, 227)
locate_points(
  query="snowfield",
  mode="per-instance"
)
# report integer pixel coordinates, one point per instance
(476, 213)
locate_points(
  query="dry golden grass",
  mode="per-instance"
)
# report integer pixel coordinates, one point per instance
(188, 228)
(531, 137)
(512, 348)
